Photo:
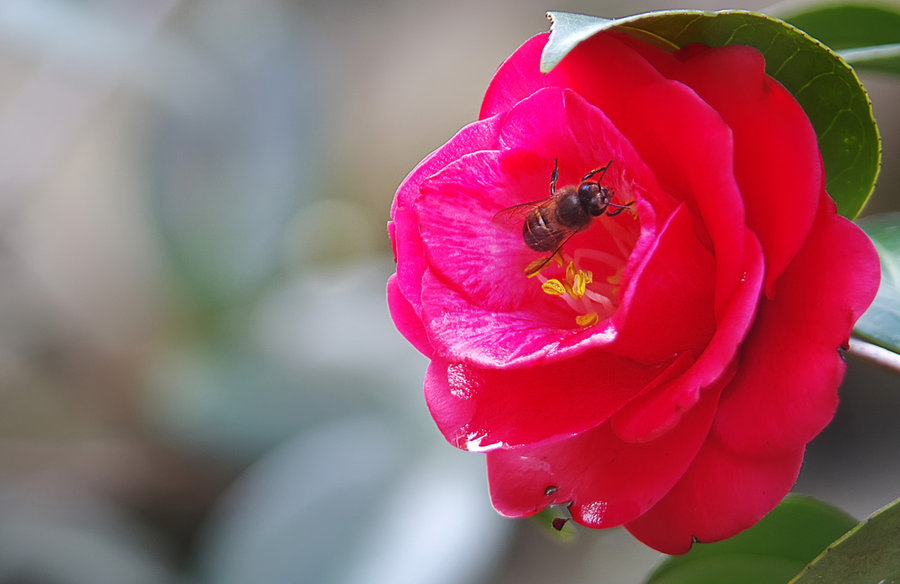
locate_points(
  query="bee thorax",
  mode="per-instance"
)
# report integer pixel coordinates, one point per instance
(570, 211)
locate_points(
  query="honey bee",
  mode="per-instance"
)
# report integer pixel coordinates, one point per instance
(549, 223)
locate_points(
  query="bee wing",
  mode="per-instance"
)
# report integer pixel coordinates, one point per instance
(513, 218)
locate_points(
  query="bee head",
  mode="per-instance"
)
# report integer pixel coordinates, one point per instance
(594, 198)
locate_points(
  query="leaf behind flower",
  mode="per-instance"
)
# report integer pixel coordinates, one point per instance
(870, 552)
(773, 550)
(866, 36)
(825, 86)
(881, 322)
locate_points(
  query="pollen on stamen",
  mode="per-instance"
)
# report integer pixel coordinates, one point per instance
(535, 267)
(579, 285)
(553, 287)
(590, 301)
(616, 278)
(588, 319)
(531, 270)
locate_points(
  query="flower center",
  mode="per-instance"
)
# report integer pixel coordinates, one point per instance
(590, 283)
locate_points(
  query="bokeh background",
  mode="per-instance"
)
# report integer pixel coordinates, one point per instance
(199, 380)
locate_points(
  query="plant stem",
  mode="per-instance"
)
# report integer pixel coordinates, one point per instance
(866, 351)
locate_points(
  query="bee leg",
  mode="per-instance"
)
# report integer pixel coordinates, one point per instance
(619, 209)
(554, 176)
(532, 270)
(602, 171)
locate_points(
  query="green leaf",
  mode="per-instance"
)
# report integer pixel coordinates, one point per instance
(824, 85)
(772, 551)
(868, 553)
(866, 36)
(881, 322)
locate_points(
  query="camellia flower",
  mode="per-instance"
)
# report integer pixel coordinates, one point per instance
(665, 368)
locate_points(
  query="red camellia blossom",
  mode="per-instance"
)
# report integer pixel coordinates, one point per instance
(666, 367)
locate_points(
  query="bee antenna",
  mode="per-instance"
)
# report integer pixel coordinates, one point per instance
(602, 171)
(619, 208)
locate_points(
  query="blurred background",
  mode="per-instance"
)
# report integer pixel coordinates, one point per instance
(199, 379)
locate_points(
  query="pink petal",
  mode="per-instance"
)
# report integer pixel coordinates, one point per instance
(677, 134)
(479, 408)
(560, 124)
(615, 71)
(657, 410)
(480, 267)
(408, 248)
(462, 247)
(517, 78)
(786, 389)
(690, 150)
(782, 396)
(405, 318)
(672, 291)
(460, 328)
(609, 482)
(777, 161)
(721, 494)
(458, 203)
(462, 331)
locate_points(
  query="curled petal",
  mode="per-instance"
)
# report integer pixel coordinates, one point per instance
(781, 191)
(479, 408)
(621, 70)
(786, 389)
(455, 212)
(690, 150)
(408, 248)
(679, 264)
(407, 321)
(658, 409)
(517, 78)
(608, 481)
(720, 495)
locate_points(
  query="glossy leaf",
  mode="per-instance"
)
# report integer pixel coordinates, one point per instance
(881, 322)
(866, 36)
(868, 553)
(772, 551)
(826, 87)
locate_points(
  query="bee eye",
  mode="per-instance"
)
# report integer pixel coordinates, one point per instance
(587, 191)
(590, 195)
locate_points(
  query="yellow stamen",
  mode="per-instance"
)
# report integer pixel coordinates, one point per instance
(579, 285)
(532, 269)
(588, 319)
(616, 278)
(553, 287)
(535, 267)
